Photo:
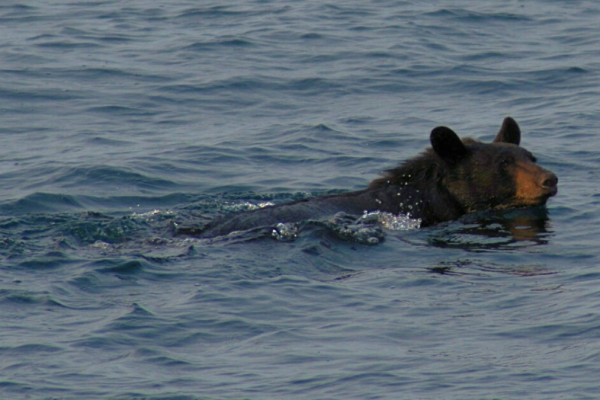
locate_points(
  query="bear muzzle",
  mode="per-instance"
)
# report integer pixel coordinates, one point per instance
(549, 182)
(534, 184)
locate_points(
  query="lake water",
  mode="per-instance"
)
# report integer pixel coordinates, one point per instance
(122, 119)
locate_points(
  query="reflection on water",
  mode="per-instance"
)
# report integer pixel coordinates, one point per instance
(495, 230)
(486, 268)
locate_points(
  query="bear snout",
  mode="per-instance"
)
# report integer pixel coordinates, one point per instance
(549, 181)
(534, 184)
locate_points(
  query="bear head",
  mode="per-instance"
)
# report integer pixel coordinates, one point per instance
(500, 174)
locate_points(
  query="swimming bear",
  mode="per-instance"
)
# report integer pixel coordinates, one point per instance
(452, 178)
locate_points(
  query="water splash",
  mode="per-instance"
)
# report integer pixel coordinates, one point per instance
(358, 232)
(285, 232)
(245, 206)
(150, 214)
(391, 221)
(367, 229)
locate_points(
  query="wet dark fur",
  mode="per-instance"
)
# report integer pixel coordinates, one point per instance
(450, 179)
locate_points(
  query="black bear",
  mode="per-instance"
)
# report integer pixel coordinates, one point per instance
(448, 180)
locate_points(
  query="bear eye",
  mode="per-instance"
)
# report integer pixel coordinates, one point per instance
(533, 159)
(504, 162)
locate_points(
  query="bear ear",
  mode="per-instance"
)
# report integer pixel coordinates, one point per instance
(447, 144)
(509, 132)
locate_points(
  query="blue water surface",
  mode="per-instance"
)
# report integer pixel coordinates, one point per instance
(124, 120)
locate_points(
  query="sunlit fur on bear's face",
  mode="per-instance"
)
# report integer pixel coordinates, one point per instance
(498, 175)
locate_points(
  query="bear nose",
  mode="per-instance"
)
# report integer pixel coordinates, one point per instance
(550, 180)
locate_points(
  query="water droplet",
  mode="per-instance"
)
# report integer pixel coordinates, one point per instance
(285, 232)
